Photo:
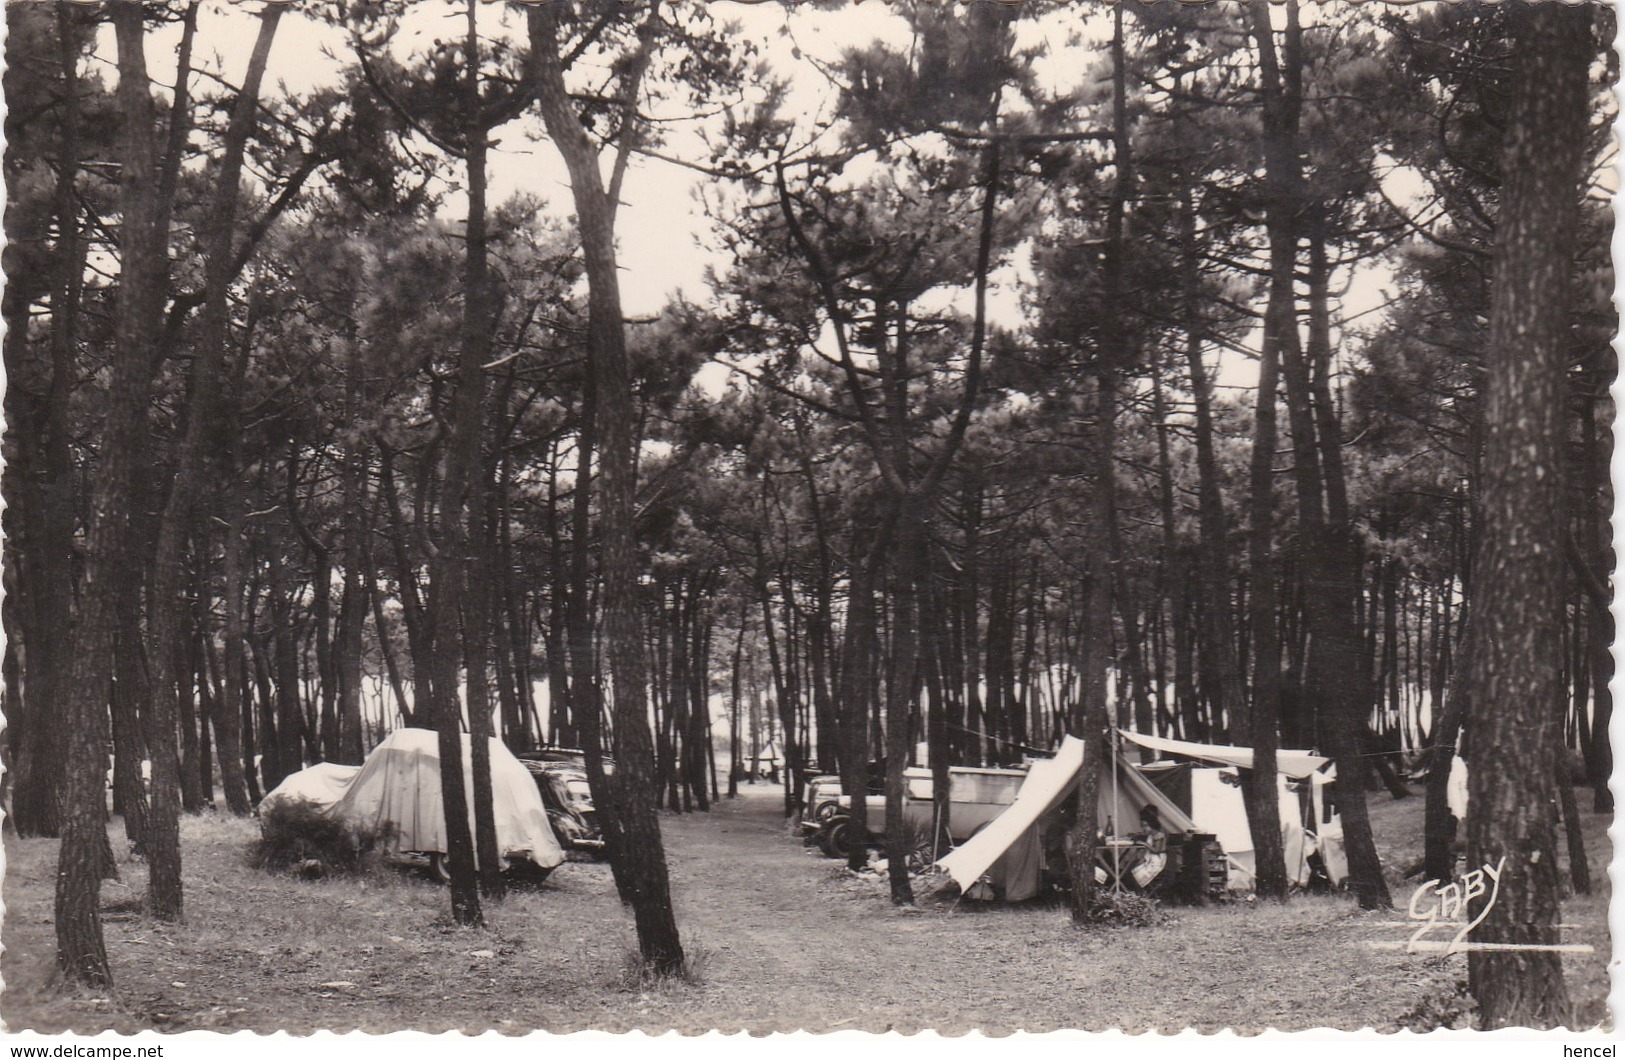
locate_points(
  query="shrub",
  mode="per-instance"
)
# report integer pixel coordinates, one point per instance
(295, 836)
(1449, 1006)
(1125, 909)
(636, 974)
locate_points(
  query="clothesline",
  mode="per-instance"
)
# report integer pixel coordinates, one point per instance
(1042, 752)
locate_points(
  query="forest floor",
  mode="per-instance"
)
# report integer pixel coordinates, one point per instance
(779, 939)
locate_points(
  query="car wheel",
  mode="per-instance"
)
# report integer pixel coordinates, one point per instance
(440, 868)
(821, 837)
(836, 838)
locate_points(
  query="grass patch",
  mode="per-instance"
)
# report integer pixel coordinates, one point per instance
(297, 837)
(638, 975)
(777, 939)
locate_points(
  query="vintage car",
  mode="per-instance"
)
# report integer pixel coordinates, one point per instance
(399, 787)
(975, 797)
(568, 798)
(565, 756)
(820, 799)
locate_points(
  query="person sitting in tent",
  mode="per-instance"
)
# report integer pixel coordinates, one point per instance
(1150, 852)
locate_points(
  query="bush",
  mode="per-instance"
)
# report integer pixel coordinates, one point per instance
(1125, 909)
(1449, 1006)
(295, 836)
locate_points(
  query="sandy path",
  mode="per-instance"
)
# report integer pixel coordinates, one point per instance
(782, 938)
(748, 890)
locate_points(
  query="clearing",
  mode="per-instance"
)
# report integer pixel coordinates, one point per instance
(781, 938)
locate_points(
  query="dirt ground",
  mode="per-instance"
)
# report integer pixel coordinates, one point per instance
(781, 939)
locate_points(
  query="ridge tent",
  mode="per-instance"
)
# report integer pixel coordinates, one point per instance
(400, 784)
(1009, 851)
(1308, 824)
(765, 763)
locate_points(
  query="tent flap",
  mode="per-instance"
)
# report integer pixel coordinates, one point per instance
(1295, 764)
(1046, 785)
(1009, 848)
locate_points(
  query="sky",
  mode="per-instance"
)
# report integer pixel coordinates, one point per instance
(659, 222)
(660, 226)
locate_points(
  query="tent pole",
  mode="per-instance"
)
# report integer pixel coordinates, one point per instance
(1117, 849)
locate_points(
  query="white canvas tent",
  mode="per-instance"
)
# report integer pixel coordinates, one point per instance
(323, 784)
(1217, 806)
(1009, 851)
(766, 760)
(400, 784)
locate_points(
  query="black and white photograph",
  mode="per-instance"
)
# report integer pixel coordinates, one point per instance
(1015, 516)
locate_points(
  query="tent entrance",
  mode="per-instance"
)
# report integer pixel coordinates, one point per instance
(1009, 856)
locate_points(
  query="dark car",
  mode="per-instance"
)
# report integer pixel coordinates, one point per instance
(568, 800)
(565, 756)
(820, 800)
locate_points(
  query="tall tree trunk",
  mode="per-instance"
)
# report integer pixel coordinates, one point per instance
(1280, 336)
(38, 761)
(586, 691)
(1595, 559)
(560, 694)
(228, 716)
(783, 700)
(208, 697)
(697, 739)
(385, 639)
(1221, 667)
(735, 763)
(1513, 681)
(167, 610)
(353, 604)
(642, 853)
(283, 667)
(188, 695)
(1439, 829)
(421, 712)
(452, 616)
(81, 953)
(933, 631)
(271, 770)
(1573, 831)
(475, 537)
(821, 627)
(129, 692)
(1337, 678)
(1090, 721)
(859, 680)
(1174, 567)
(901, 699)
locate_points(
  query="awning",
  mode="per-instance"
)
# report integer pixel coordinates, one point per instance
(1123, 793)
(1295, 764)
